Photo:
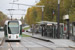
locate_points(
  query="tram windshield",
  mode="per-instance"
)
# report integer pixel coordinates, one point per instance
(13, 27)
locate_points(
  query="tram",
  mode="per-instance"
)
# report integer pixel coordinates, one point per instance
(13, 30)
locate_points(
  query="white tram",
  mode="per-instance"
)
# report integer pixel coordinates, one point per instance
(13, 30)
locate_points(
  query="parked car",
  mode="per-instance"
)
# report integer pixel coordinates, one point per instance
(23, 30)
(29, 30)
(1, 28)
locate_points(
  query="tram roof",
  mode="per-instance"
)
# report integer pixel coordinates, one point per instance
(6, 22)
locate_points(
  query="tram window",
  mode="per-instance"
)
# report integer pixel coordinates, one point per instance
(13, 28)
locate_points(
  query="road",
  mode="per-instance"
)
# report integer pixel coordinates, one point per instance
(29, 43)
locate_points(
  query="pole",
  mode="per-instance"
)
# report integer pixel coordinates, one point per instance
(42, 13)
(42, 19)
(42, 30)
(32, 29)
(68, 29)
(11, 17)
(58, 19)
(66, 17)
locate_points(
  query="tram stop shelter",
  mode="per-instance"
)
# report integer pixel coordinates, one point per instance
(49, 29)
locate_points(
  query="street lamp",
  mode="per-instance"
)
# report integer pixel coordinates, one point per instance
(42, 18)
(58, 1)
(42, 13)
(66, 17)
(58, 19)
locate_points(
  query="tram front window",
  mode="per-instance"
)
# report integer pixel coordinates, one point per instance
(13, 28)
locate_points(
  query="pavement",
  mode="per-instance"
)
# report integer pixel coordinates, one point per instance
(28, 43)
(57, 42)
(1, 37)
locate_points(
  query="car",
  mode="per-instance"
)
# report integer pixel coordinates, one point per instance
(29, 30)
(23, 30)
(1, 28)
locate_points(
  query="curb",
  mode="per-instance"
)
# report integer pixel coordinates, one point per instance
(42, 39)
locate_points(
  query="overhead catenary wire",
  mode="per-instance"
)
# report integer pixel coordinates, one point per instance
(41, 6)
(28, 5)
(16, 9)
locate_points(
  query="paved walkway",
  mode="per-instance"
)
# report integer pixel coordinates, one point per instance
(59, 42)
(37, 35)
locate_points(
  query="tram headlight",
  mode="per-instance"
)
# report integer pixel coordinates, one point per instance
(9, 36)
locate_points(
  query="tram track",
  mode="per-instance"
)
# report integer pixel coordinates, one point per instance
(40, 44)
(35, 41)
(22, 45)
(2, 42)
(10, 46)
(68, 48)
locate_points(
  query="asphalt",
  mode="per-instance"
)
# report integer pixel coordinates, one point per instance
(28, 43)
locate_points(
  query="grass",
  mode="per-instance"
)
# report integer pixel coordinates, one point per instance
(26, 28)
(23, 35)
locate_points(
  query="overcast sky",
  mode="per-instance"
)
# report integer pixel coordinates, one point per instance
(4, 4)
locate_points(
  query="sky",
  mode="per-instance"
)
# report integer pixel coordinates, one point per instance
(5, 4)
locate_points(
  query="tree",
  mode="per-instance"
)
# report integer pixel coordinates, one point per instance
(34, 14)
(3, 17)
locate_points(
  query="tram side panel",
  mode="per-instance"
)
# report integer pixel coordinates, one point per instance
(5, 30)
(20, 29)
